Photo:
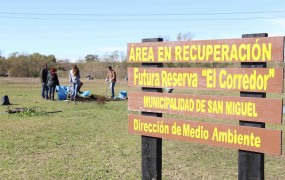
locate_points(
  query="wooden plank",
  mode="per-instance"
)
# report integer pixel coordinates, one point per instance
(229, 79)
(257, 49)
(229, 136)
(232, 108)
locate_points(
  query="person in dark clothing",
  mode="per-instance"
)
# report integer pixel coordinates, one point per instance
(79, 87)
(52, 81)
(44, 74)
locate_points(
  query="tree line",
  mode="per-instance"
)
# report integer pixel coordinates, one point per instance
(22, 65)
(30, 65)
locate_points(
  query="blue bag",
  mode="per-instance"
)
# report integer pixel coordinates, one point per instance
(62, 92)
(123, 95)
(85, 93)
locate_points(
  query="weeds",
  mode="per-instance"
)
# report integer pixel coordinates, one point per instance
(26, 112)
(31, 112)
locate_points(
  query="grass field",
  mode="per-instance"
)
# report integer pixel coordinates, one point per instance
(90, 141)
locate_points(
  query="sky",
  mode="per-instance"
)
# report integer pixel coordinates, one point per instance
(72, 29)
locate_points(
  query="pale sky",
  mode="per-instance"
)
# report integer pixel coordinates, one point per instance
(72, 29)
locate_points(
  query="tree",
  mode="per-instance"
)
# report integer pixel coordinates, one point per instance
(4, 67)
(19, 65)
(110, 58)
(51, 58)
(92, 58)
(123, 56)
(188, 36)
(114, 56)
(14, 55)
(179, 36)
(25, 65)
(184, 37)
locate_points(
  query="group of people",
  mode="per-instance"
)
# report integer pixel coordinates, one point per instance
(50, 80)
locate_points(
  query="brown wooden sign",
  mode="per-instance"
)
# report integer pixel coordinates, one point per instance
(259, 49)
(232, 108)
(229, 79)
(236, 137)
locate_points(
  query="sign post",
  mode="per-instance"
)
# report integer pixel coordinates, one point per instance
(253, 80)
(151, 147)
(251, 164)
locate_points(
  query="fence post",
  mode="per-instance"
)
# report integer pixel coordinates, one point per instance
(251, 164)
(151, 147)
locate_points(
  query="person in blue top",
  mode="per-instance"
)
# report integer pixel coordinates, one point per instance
(74, 79)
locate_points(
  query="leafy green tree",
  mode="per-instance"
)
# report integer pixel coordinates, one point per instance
(51, 58)
(25, 65)
(91, 58)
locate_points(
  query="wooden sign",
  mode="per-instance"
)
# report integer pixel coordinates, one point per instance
(232, 108)
(230, 136)
(259, 49)
(228, 79)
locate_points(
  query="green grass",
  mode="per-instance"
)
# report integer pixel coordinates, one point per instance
(91, 141)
